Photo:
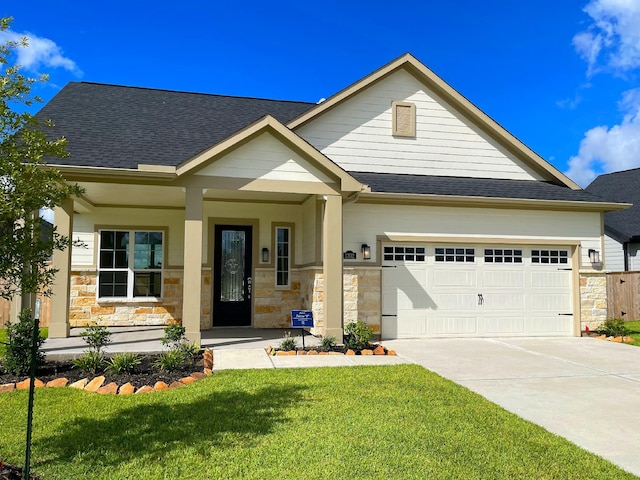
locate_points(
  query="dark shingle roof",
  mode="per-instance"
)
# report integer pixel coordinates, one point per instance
(623, 186)
(471, 187)
(121, 127)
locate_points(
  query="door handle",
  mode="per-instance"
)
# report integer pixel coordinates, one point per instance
(480, 299)
(249, 284)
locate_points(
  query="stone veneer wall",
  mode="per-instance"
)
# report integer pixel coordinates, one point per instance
(85, 309)
(272, 305)
(593, 299)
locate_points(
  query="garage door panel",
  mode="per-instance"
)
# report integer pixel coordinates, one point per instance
(551, 325)
(404, 277)
(414, 325)
(455, 301)
(446, 277)
(497, 325)
(510, 279)
(546, 279)
(551, 302)
(452, 326)
(503, 301)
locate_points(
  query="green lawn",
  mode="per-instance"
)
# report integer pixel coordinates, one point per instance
(634, 327)
(399, 422)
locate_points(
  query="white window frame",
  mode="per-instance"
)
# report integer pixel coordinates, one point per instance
(451, 254)
(288, 256)
(131, 271)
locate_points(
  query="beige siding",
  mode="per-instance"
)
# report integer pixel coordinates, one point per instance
(614, 255)
(308, 231)
(357, 136)
(265, 158)
(364, 222)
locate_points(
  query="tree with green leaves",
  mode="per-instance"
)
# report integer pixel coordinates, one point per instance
(27, 185)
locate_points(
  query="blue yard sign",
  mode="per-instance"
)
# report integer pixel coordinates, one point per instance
(301, 318)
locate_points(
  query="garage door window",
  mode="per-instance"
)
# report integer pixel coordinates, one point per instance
(549, 256)
(405, 254)
(500, 255)
(455, 255)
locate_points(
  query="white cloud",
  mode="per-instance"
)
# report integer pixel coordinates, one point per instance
(39, 52)
(605, 149)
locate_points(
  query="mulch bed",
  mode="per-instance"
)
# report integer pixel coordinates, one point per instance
(11, 472)
(145, 374)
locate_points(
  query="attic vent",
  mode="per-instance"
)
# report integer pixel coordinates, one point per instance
(404, 119)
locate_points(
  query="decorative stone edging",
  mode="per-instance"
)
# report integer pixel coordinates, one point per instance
(97, 384)
(616, 339)
(379, 350)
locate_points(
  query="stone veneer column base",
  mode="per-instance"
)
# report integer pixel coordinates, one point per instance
(593, 299)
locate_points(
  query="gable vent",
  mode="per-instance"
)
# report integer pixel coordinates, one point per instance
(404, 119)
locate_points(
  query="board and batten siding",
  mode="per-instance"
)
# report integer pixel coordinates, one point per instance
(265, 158)
(363, 223)
(614, 255)
(357, 135)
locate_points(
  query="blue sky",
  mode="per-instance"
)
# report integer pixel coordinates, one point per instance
(560, 75)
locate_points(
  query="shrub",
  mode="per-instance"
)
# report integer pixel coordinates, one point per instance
(173, 335)
(123, 363)
(96, 336)
(614, 327)
(327, 343)
(288, 343)
(189, 352)
(17, 358)
(91, 362)
(170, 360)
(357, 335)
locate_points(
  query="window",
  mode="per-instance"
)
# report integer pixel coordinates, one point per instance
(121, 274)
(404, 254)
(283, 256)
(550, 256)
(499, 255)
(455, 255)
(404, 119)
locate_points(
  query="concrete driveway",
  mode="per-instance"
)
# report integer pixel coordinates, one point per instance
(586, 390)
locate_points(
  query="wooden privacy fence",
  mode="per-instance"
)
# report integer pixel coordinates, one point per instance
(623, 295)
(45, 311)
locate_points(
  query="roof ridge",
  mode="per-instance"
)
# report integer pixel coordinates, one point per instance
(134, 87)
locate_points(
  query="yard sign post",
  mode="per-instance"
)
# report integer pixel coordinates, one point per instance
(302, 319)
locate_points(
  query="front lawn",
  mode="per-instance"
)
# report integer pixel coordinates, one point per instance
(358, 422)
(634, 333)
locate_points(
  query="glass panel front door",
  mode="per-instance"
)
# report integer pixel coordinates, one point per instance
(232, 263)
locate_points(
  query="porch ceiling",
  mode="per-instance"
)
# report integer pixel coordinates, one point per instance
(118, 194)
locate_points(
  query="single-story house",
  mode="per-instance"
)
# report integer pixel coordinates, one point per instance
(395, 201)
(621, 228)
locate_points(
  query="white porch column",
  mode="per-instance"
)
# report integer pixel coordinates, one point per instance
(192, 284)
(332, 266)
(59, 321)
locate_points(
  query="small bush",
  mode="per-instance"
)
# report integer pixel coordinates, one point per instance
(91, 362)
(173, 335)
(614, 327)
(17, 358)
(189, 352)
(170, 360)
(123, 363)
(288, 343)
(327, 343)
(96, 336)
(357, 335)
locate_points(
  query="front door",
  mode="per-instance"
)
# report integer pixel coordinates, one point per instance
(232, 276)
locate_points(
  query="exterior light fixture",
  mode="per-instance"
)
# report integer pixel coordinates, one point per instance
(366, 252)
(594, 256)
(265, 255)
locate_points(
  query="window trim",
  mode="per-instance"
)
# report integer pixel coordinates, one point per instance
(443, 257)
(276, 257)
(395, 131)
(131, 271)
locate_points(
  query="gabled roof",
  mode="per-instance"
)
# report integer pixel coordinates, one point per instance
(488, 189)
(624, 226)
(121, 127)
(451, 96)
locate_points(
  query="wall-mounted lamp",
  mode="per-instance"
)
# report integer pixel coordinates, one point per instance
(265, 255)
(594, 256)
(366, 252)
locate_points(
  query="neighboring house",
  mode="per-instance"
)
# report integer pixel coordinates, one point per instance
(621, 228)
(395, 201)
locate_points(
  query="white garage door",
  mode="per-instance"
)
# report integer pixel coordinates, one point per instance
(477, 290)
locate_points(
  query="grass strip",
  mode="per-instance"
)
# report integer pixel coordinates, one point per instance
(356, 422)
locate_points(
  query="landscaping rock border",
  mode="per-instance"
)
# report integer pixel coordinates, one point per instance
(378, 350)
(96, 384)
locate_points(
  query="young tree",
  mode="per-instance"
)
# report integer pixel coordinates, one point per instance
(26, 186)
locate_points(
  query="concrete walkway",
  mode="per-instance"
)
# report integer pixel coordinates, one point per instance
(583, 389)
